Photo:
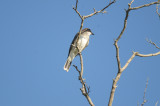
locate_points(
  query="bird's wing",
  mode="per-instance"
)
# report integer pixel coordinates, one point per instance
(73, 42)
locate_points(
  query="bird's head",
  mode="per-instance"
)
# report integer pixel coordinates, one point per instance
(88, 31)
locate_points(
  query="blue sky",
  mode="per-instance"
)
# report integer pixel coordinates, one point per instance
(35, 36)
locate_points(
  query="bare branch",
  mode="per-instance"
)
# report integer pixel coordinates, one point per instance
(157, 10)
(152, 43)
(100, 11)
(81, 64)
(120, 35)
(76, 4)
(117, 56)
(140, 55)
(125, 24)
(76, 68)
(130, 3)
(145, 5)
(148, 55)
(127, 14)
(114, 86)
(95, 12)
(85, 89)
(77, 12)
(130, 59)
(82, 21)
(144, 96)
(120, 70)
(75, 8)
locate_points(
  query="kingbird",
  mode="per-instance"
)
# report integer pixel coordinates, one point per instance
(77, 46)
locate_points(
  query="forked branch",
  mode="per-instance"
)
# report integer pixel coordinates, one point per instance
(85, 89)
(100, 11)
(120, 70)
(95, 12)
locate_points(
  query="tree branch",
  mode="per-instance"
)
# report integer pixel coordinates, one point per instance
(157, 10)
(114, 85)
(130, 59)
(76, 4)
(95, 12)
(81, 64)
(153, 43)
(144, 96)
(145, 5)
(117, 56)
(120, 70)
(85, 89)
(148, 55)
(77, 11)
(100, 11)
(140, 55)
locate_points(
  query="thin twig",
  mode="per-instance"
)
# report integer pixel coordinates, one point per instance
(152, 43)
(77, 12)
(120, 70)
(157, 10)
(95, 12)
(76, 4)
(100, 11)
(144, 96)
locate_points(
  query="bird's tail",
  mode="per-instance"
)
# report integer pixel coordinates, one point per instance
(67, 64)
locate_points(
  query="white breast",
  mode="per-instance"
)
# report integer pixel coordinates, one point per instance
(82, 42)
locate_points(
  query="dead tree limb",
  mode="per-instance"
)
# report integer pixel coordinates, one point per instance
(120, 70)
(85, 89)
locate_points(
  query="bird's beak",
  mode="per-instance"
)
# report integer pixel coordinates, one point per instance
(92, 33)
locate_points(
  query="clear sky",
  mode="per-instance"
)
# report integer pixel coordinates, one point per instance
(35, 36)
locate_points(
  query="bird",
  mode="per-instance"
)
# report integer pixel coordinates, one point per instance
(77, 46)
